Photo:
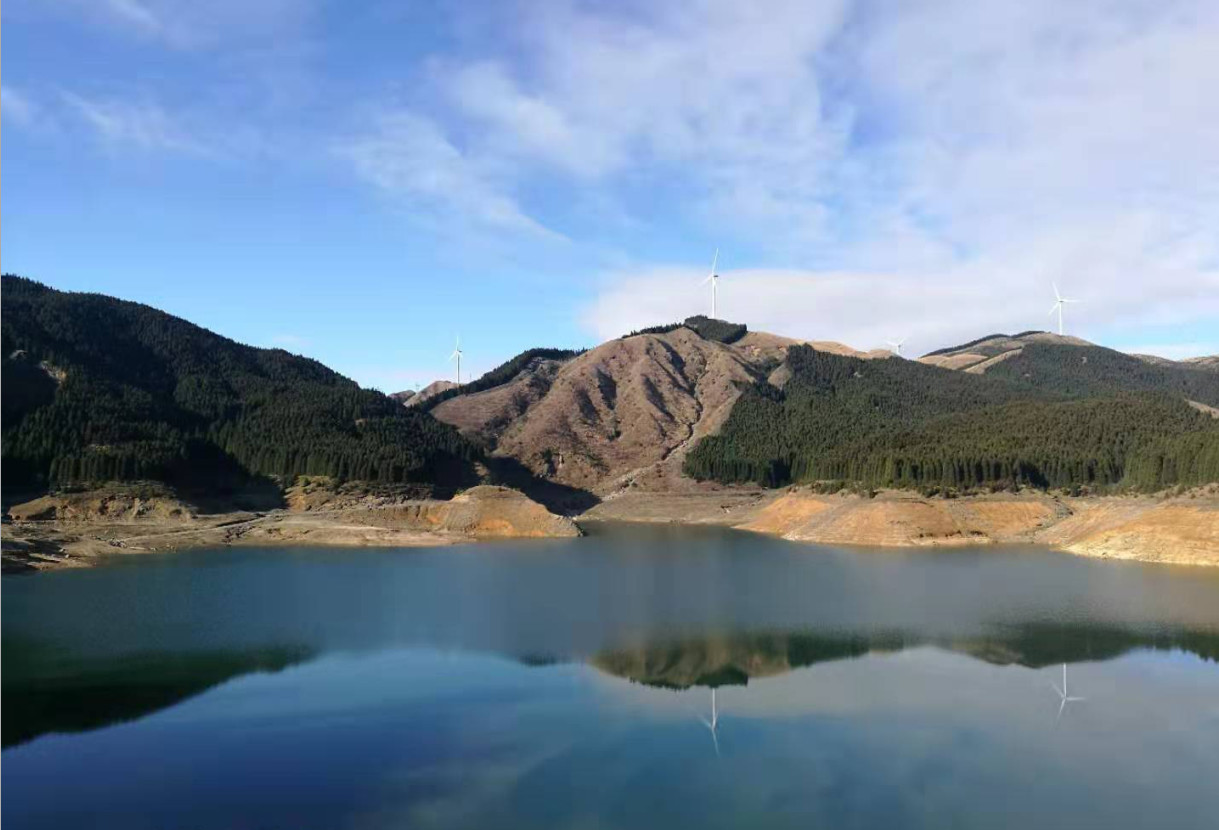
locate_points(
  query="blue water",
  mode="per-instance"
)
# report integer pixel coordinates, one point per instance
(568, 684)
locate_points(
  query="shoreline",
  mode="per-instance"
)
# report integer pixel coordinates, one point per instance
(1179, 530)
(64, 532)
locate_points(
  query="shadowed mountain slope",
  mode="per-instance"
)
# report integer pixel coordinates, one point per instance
(99, 389)
(1052, 414)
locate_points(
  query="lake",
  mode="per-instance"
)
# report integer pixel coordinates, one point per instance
(570, 684)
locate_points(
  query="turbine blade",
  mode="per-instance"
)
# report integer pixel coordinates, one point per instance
(1057, 296)
(1053, 308)
(715, 260)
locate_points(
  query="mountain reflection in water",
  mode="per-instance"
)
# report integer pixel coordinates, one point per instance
(559, 684)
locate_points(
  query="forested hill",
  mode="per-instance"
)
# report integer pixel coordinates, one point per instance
(99, 389)
(1091, 371)
(1051, 415)
(1074, 367)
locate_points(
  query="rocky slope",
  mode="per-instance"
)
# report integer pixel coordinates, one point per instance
(72, 530)
(1181, 529)
(411, 397)
(1178, 530)
(485, 415)
(624, 414)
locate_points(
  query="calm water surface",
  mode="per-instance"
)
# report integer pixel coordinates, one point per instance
(570, 684)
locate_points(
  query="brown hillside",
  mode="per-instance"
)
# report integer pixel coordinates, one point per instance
(409, 398)
(1207, 362)
(623, 414)
(978, 357)
(486, 414)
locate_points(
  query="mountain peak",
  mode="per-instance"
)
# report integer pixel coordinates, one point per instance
(979, 355)
(411, 397)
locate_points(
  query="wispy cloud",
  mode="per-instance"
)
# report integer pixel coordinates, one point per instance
(136, 13)
(921, 169)
(410, 158)
(1176, 351)
(930, 310)
(722, 97)
(139, 124)
(16, 108)
(953, 159)
(185, 24)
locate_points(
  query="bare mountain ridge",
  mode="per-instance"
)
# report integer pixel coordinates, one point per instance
(410, 397)
(980, 355)
(625, 413)
(1205, 362)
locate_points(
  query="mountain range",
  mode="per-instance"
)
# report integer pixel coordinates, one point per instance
(101, 389)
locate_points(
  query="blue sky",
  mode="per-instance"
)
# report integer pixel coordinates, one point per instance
(360, 182)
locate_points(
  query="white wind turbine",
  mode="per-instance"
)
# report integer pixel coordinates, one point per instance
(1059, 302)
(457, 354)
(714, 279)
(714, 723)
(896, 346)
(1063, 696)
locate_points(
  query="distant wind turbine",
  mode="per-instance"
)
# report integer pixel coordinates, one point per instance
(1063, 696)
(714, 279)
(714, 723)
(1059, 302)
(897, 346)
(457, 354)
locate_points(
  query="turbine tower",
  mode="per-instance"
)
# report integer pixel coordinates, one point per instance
(457, 354)
(714, 723)
(714, 279)
(1063, 696)
(896, 346)
(1059, 302)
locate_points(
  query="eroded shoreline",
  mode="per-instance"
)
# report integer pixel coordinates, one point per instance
(1181, 530)
(54, 532)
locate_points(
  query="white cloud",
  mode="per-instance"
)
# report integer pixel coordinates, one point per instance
(979, 151)
(184, 24)
(1176, 351)
(723, 96)
(922, 168)
(16, 108)
(138, 124)
(865, 309)
(409, 157)
(142, 125)
(135, 13)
